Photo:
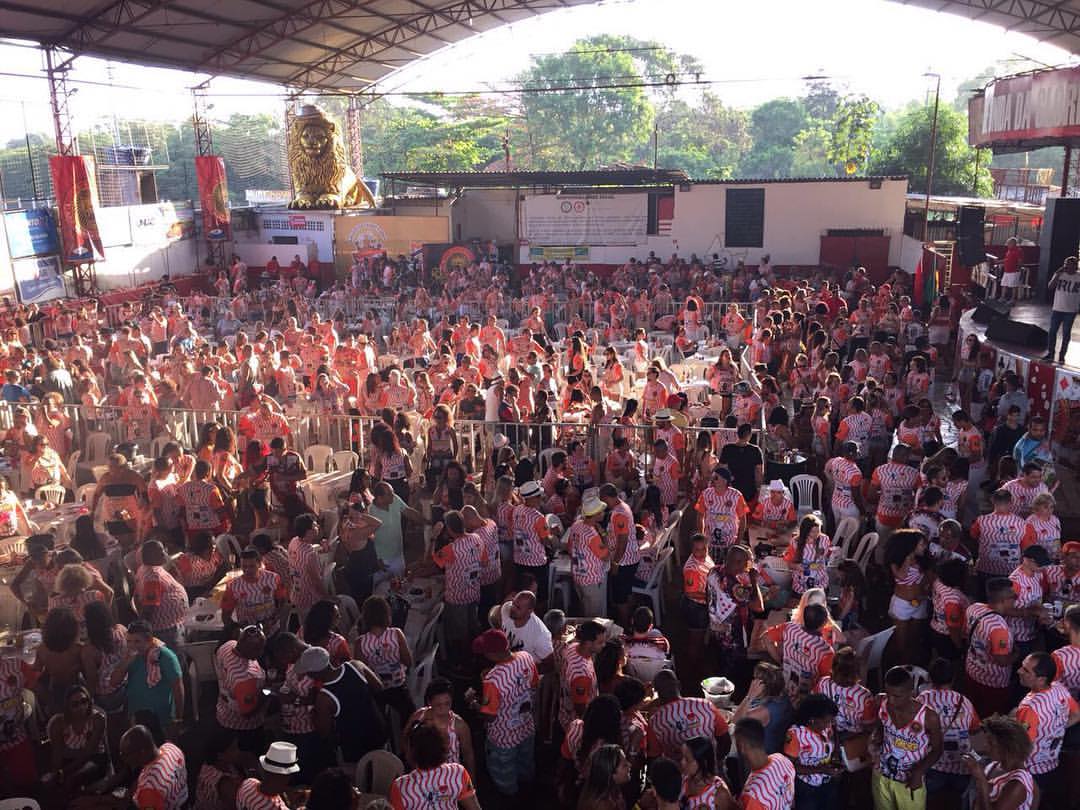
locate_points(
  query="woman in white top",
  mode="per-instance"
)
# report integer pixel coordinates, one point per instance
(1005, 785)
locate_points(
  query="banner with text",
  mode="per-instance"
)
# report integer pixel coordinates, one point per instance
(76, 199)
(31, 233)
(594, 219)
(397, 236)
(1032, 109)
(38, 279)
(213, 197)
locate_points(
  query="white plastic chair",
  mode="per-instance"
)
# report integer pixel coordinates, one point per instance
(920, 677)
(52, 494)
(420, 676)
(871, 650)
(807, 490)
(426, 640)
(318, 457)
(19, 804)
(345, 460)
(376, 772)
(85, 493)
(651, 589)
(229, 548)
(545, 458)
(97, 447)
(845, 532)
(159, 442)
(646, 669)
(99, 470)
(73, 464)
(865, 550)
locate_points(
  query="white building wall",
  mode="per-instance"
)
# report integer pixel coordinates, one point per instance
(484, 214)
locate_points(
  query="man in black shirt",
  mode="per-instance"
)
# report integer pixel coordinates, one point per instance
(1004, 438)
(746, 462)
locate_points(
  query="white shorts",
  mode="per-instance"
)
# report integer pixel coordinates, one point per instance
(903, 611)
(1010, 279)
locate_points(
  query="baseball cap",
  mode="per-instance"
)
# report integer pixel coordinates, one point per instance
(312, 660)
(491, 642)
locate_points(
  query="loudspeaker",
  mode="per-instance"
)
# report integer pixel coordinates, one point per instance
(1059, 238)
(989, 311)
(1020, 334)
(969, 235)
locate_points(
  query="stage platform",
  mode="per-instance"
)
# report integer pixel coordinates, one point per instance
(1032, 313)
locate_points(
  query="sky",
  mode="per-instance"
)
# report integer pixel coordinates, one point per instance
(752, 51)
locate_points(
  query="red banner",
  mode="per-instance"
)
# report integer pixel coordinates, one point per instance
(213, 197)
(75, 187)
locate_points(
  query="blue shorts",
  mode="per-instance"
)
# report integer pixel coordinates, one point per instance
(509, 767)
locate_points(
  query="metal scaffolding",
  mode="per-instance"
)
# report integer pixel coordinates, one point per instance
(204, 146)
(57, 65)
(354, 138)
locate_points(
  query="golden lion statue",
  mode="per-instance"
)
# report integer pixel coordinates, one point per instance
(320, 173)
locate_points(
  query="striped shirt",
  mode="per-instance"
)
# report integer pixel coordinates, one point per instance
(588, 553)
(508, 694)
(666, 474)
(684, 718)
(196, 571)
(202, 504)
(440, 788)
(255, 601)
(14, 674)
(771, 787)
(530, 531)
(1045, 714)
(110, 661)
(809, 748)
(162, 783)
(1029, 593)
(811, 571)
(998, 784)
(156, 588)
(1058, 583)
(504, 519)
(267, 428)
(999, 537)
(297, 718)
(577, 683)
(805, 657)
(720, 516)
(845, 476)
(491, 571)
(768, 511)
(1067, 660)
(1046, 533)
(621, 522)
(250, 796)
(695, 575)
(954, 495)
(856, 704)
(382, 652)
(704, 799)
(958, 722)
(855, 427)
(461, 561)
(949, 606)
(306, 572)
(987, 634)
(240, 683)
(1023, 495)
(902, 747)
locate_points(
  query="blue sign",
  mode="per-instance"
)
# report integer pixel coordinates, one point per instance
(31, 233)
(38, 279)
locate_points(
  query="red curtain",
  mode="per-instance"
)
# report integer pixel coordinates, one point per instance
(213, 196)
(76, 198)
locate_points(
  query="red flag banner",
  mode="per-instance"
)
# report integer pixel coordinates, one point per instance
(75, 187)
(213, 196)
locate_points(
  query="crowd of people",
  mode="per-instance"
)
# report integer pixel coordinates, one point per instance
(590, 444)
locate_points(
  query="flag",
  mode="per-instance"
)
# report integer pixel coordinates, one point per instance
(213, 196)
(76, 198)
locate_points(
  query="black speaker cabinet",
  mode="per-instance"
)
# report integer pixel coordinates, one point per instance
(969, 235)
(1060, 237)
(1019, 334)
(988, 311)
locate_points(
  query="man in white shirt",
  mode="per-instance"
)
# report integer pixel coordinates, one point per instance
(1065, 284)
(492, 398)
(525, 629)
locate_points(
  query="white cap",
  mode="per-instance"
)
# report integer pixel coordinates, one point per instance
(280, 758)
(530, 489)
(776, 485)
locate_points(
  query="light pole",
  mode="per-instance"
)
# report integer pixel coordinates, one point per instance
(930, 161)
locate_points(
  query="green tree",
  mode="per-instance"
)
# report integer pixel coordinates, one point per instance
(774, 126)
(705, 141)
(902, 146)
(851, 133)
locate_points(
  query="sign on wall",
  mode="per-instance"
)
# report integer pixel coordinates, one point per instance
(1032, 107)
(160, 224)
(38, 278)
(114, 223)
(31, 233)
(594, 219)
(398, 236)
(548, 253)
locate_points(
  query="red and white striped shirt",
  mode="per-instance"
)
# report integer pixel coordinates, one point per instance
(306, 571)
(902, 747)
(504, 519)
(845, 476)
(461, 561)
(954, 494)
(1023, 495)
(704, 799)
(1029, 593)
(250, 796)
(1043, 532)
(588, 553)
(958, 722)
(811, 571)
(577, 683)
(720, 516)
(771, 787)
(1067, 660)
(621, 521)
(695, 577)
(949, 606)
(491, 571)
(508, 694)
(988, 633)
(530, 531)
(680, 720)
(999, 537)
(855, 427)
(811, 749)
(998, 784)
(266, 428)
(202, 505)
(805, 657)
(14, 674)
(897, 483)
(1046, 716)
(197, 571)
(440, 788)
(856, 703)
(254, 601)
(1058, 583)
(382, 652)
(297, 718)
(240, 683)
(666, 474)
(155, 587)
(162, 783)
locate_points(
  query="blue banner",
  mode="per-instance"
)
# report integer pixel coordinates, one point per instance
(38, 279)
(31, 233)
